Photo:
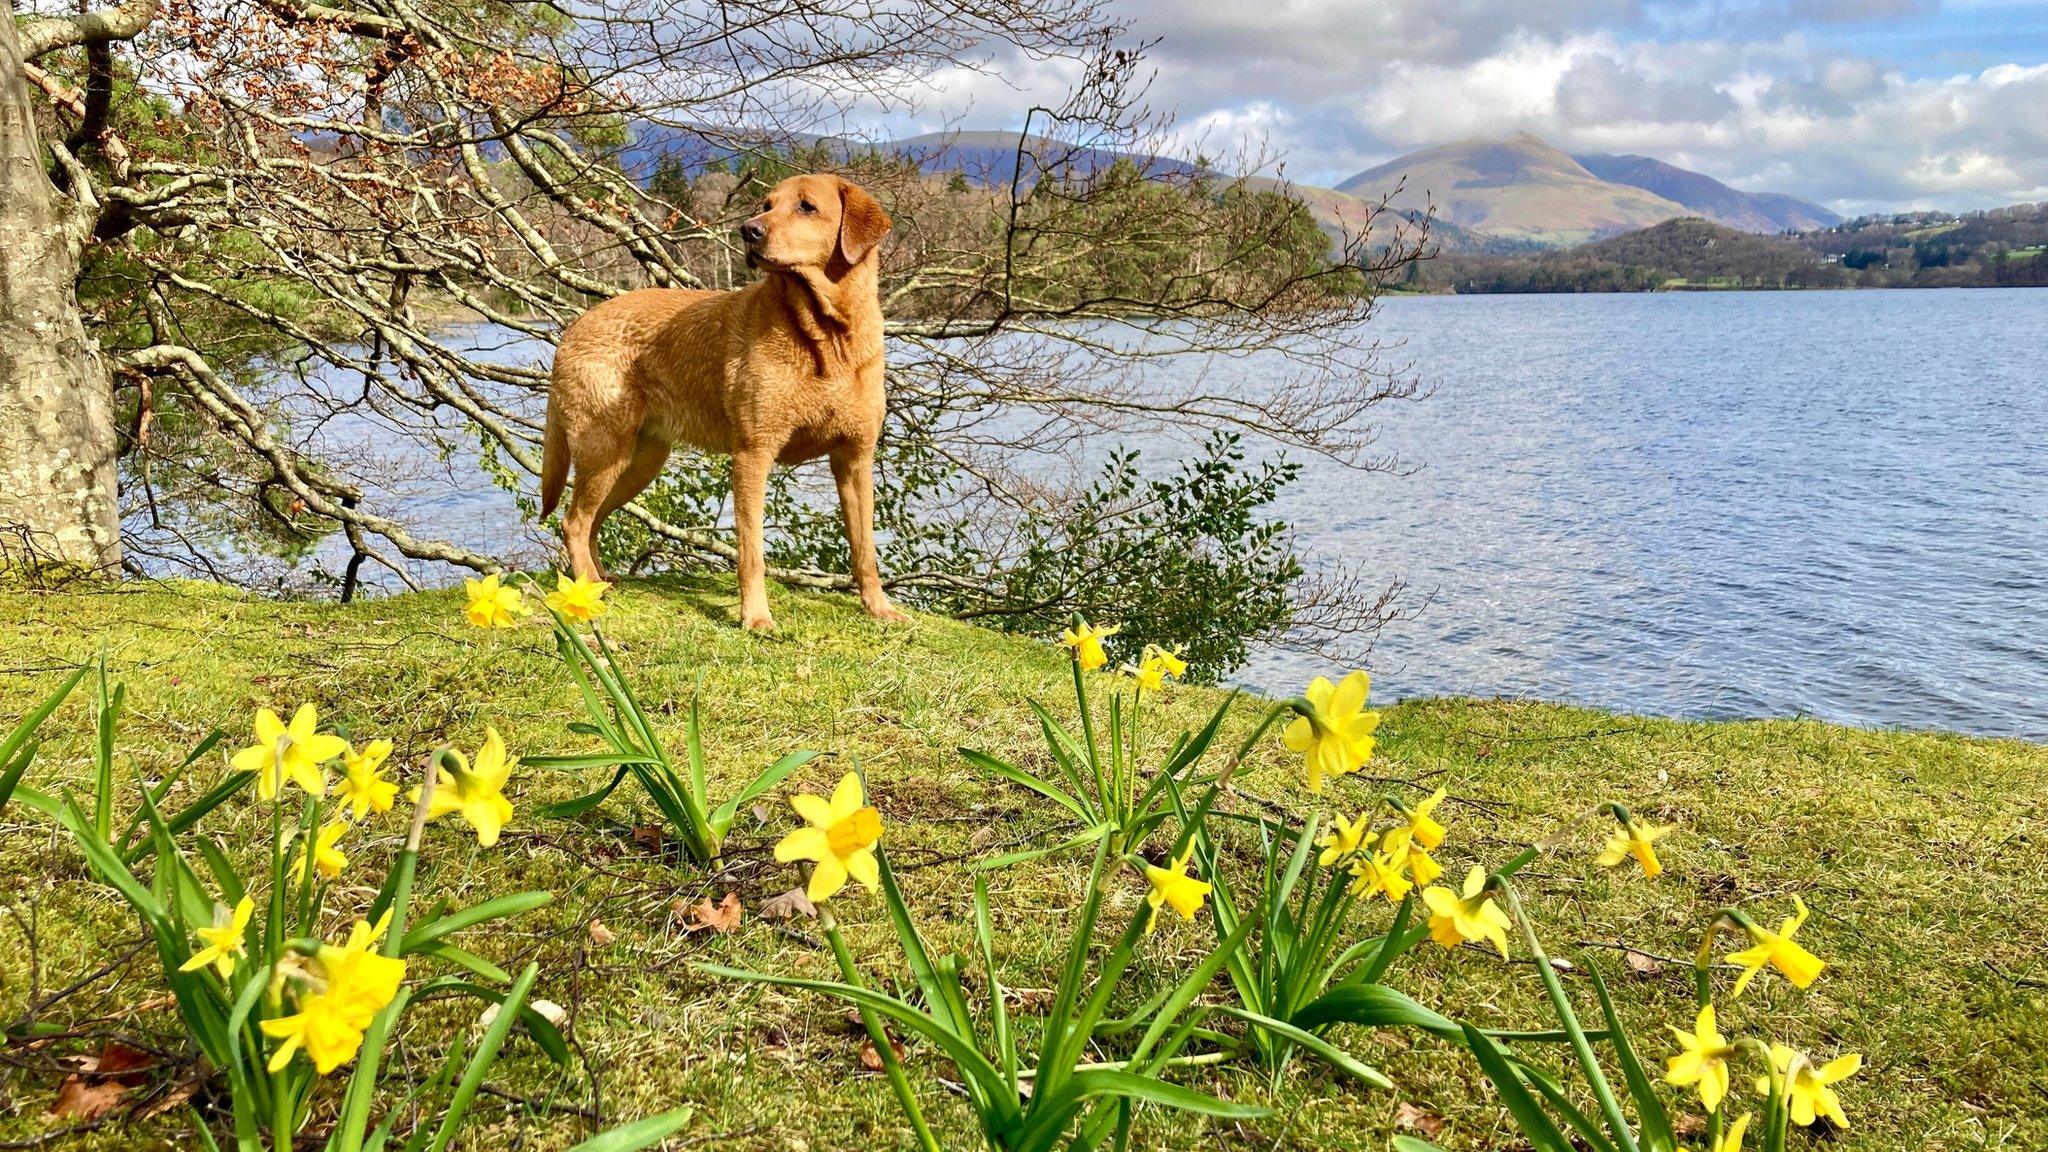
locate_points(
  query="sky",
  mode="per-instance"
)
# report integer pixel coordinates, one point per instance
(1861, 105)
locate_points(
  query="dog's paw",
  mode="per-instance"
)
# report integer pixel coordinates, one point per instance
(888, 613)
(758, 622)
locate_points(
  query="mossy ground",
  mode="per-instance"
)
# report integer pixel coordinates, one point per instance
(1920, 854)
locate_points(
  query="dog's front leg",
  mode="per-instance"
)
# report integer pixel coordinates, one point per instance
(854, 473)
(750, 467)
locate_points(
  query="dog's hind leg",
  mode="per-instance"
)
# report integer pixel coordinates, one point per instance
(854, 473)
(599, 467)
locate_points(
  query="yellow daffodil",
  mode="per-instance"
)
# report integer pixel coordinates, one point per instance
(1400, 844)
(1428, 833)
(321, 1028)
(476, 790)
(291, 752)
(1338, 738)
(223, 939)
(1809, 1089)
(1380, 873)
(363, 786)
(1344, 839)
(1633, 839)
(1703, 1060)
(328, 859)
(577, 598)
(1455, 919)
(493, 603)
(1155, 666)
(1731, 1136)
(1173, 886)
(347, 986)
(839, 839)
(359, 979)
(1086, 642)
(1778, 950)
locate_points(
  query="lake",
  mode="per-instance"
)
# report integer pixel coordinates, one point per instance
(1691, 504)
(1713, 504)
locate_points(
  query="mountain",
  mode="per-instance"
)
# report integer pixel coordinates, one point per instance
(1708, 197)
(1518, 189)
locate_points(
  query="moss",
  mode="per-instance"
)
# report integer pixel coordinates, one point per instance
(1919, 854)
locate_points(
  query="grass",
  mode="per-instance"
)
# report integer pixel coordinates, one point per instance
(1921, 855)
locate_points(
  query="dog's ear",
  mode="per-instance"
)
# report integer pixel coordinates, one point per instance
(862, 222)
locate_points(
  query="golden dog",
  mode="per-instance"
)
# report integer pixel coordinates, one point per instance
(786, 369)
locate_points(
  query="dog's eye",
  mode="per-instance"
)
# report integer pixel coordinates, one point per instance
(767, 205)
(806, 207)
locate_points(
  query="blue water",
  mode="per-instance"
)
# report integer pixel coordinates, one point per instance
(1731, 504)
(1728, 504)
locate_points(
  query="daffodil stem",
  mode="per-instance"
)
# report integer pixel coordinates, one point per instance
(878, 1034)
(1610, 1107)
(1775, 1115)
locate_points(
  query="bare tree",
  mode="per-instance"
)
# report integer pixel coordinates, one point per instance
(292, 215)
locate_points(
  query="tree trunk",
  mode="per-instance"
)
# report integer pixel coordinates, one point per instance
(57, 434)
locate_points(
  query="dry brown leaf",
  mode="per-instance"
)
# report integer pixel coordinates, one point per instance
(724, 916)
(601, 935)
(790, 905)
(1028, 999)
(177, 1097)
(871, 1056)
(1687, 1124)
(647, 838)
(1418, 1118)
(1642, 964)
(81, 1099)
(100, 1082)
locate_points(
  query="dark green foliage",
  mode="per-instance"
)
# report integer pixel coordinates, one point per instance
(1912, 250)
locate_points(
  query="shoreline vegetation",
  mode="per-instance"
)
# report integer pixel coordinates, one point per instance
(1909, 849)
(2001, 249)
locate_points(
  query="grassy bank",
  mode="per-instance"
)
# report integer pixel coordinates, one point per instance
(1921, 855)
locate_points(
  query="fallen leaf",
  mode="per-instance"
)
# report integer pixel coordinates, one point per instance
(101, 1081)
(1646, 966)
(1687, 1124)
(81, 1099)
(1028, 999)
(177, 1097)
(647, 838)
(1418, 1118)
(601, 935)
(871, 1056)
(791, 905)
(723, 916)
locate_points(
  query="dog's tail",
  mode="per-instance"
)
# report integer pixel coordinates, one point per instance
(554, 461)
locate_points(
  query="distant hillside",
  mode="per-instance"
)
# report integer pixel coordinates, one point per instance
(1518, 189)
(2004, 248)
(1708, 197)
(1343, 216)
(990, 158)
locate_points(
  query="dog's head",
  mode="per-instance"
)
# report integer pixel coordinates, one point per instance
(814, 221)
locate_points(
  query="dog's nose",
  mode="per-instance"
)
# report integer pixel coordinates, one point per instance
(752, 231)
